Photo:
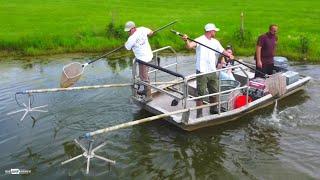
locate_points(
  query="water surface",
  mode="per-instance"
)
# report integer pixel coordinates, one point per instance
(268, 144)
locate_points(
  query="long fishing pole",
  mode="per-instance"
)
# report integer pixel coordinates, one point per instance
(73, 71)
(180, 34)
(155, 31)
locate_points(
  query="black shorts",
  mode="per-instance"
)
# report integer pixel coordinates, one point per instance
(266, 69)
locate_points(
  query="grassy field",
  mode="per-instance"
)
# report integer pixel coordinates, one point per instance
(36, 27)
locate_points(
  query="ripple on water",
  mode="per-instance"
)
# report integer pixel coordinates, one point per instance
(269, 144)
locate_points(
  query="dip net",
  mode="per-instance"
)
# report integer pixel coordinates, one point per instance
(71, 73)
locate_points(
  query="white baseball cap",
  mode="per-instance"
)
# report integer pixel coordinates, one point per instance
(211, 27)
(129, 25)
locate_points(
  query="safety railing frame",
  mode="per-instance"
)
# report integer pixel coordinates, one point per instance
(156, 52)
(185, 97)
(193, 76)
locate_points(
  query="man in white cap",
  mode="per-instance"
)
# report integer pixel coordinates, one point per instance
(139, 44)
(206, 60)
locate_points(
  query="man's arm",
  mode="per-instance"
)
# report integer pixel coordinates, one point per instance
(150, 33)
(189, 44)
(229, 55)
(129, 44)
(258, 56)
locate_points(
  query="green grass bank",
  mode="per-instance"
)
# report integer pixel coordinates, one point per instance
(39, 27)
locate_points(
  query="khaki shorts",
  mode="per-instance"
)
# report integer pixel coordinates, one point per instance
(143, 72)
(209, 81)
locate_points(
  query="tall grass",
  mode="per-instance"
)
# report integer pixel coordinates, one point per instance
(44, 27)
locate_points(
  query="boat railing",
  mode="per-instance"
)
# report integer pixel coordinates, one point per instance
(183, 81)
(219, 93)
(156, 65)
(157, 60)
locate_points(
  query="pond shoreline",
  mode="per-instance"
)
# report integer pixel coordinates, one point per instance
(115, 56)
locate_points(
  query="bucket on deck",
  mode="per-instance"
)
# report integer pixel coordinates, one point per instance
(230, 96)
(241, 100)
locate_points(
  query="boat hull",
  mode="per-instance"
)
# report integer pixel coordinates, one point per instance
(223, 117)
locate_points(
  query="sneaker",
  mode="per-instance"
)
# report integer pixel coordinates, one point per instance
(141, 93)
(214, 111)
(142, 90)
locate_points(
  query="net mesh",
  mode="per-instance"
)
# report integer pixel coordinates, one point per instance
(276, 84)
(71, 74)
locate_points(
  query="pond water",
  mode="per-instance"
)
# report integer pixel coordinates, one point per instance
(268, 144)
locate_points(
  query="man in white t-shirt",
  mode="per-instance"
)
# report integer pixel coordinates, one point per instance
(139, 44)
(206, 60)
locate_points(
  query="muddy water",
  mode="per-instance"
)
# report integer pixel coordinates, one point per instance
(271, 143)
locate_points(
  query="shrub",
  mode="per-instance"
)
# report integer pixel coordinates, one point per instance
(113, 31)
(304, 46)
(242, 37)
